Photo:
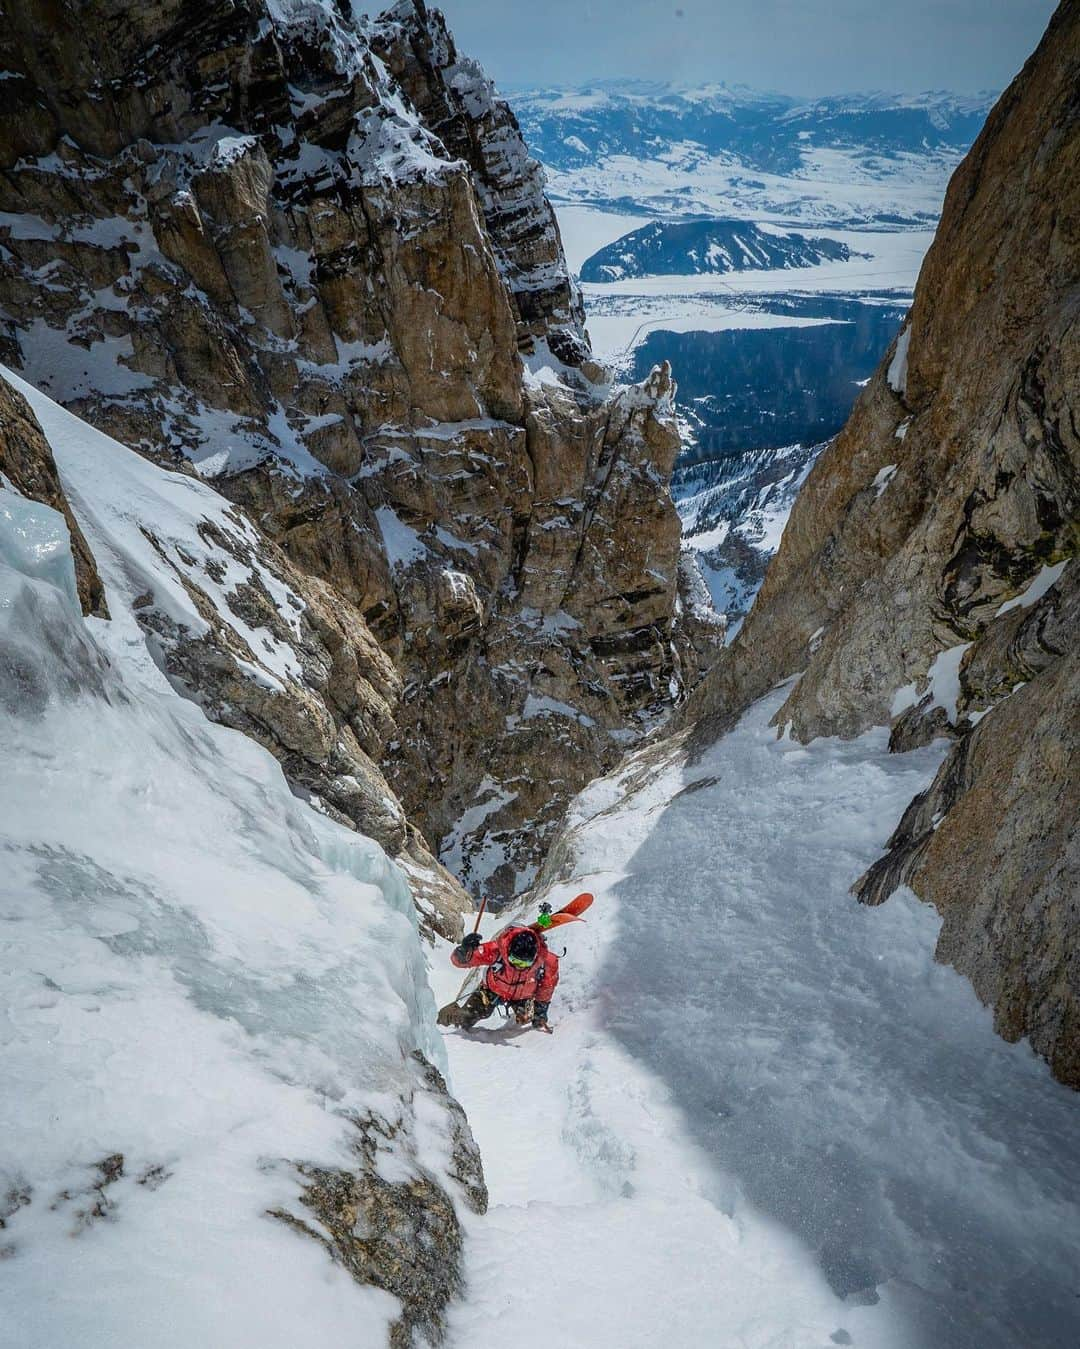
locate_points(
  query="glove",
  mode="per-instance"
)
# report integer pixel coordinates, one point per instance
(468, 946)
(540, 1011)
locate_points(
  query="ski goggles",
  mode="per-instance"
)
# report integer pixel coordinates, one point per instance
(519, 963)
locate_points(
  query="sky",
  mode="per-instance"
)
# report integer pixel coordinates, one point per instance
(801, 47)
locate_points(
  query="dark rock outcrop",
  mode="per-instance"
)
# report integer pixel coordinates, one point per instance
(404, 1235)
(696, 247)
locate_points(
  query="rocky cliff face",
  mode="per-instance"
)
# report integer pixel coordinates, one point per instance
(308, 257)
(925, 578)
(258, 644)
(733, 510)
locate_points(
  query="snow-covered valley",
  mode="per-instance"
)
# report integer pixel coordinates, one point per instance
(687, 151)
(766, 1117)
(864, 173)
(693, 239)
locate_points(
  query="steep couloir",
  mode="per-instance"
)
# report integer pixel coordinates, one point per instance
(925, 577)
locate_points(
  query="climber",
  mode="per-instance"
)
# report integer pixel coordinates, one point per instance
(522, 974)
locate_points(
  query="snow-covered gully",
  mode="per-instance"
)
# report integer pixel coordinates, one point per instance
(767, 1118)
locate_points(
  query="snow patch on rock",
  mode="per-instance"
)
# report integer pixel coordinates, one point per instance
(1037, 589)
(897, 371)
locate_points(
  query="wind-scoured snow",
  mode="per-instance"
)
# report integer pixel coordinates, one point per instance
(202, 980)
(766, 1117)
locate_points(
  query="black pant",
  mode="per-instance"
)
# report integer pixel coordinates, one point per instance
(483, 1002)
(480, 1004)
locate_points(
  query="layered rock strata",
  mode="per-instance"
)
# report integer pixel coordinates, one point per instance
(925, 576)
(457, 101)
(310, 258)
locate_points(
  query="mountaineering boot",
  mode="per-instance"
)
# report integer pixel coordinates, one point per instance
(451, 1015)
(477, 1005)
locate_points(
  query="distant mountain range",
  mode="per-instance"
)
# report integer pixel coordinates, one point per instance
(569, 128)
(720, 150)
(767, 246)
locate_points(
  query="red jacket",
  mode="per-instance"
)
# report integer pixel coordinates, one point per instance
(508, 983)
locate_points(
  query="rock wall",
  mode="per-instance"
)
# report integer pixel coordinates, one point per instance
(459, 104)
(924, 578)
(310, 258)
(994, 843)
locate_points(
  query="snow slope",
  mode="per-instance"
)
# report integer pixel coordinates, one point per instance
(766, 1117)
(201, 980)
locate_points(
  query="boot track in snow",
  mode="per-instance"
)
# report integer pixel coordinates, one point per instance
(768, 1119)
